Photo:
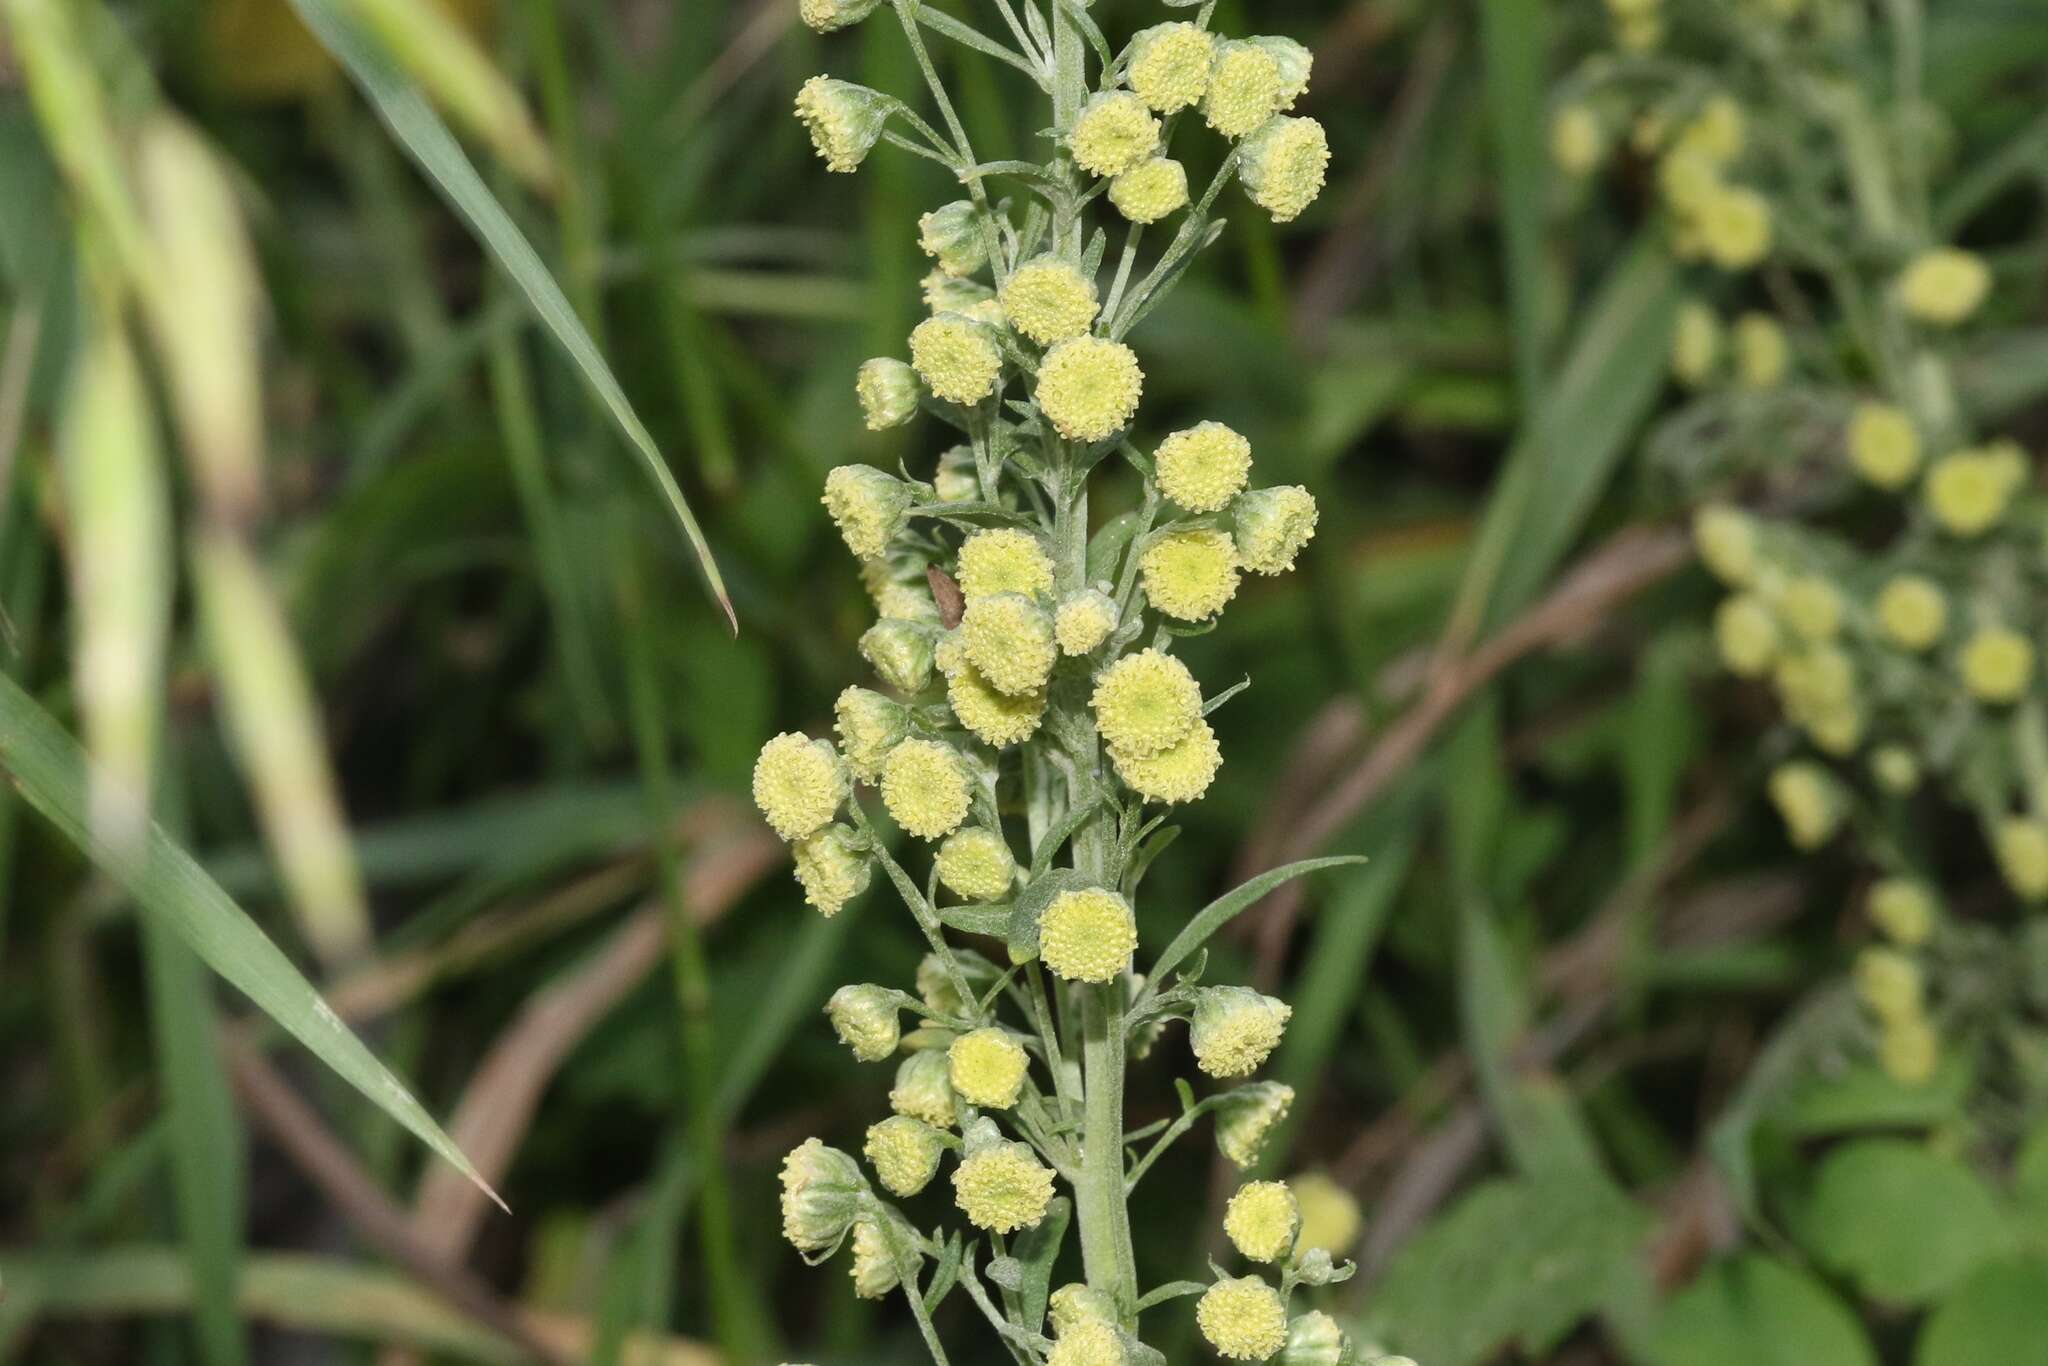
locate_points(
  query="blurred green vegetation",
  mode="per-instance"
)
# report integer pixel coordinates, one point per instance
(1522, 1031)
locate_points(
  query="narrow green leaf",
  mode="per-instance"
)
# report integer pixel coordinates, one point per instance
(47, 767)
(1511, 34)
(1223, 909)
(415, 124)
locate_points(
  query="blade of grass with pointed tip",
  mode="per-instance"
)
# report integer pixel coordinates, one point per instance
(415, 124)
(47, 767)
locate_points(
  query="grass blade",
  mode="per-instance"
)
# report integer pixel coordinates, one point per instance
(415, 124)
(47, 767)
(1511, 34)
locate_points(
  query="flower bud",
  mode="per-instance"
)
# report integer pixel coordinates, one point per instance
(1884, 446)
(1912, 612)
(1235, 1028)
(956, 236)
(1903, 910)
(977, 864)
(956, 357)
(904, 1151)
(821, 1190)
(1179, 773)
(876, 1270)
(1812, 607)
(1247, 1116)
(1190, 574)
(869, 506)
(987, 1068)
(993, 717)
(1113, 132)
(1944, 286)
(1084, 621)
(1746, 635)
(1272, 527)
(887, 389)
(1243, 1318)
(935, 984)
(827, 15)
(1968, 491)
(957, 480)
(844, 120)
(1169, 67)
(1314, 1339)
(2022, 849)
(1908, 1051)
(1283, 166)
(1809, 801)
(1000, 1185)
(1895, 769)
(1294, 63)
(1761, 351)
(869, 726)
(924, 785)
(1075, 1304)
(799, 784)
(1009, 640)
(865, 1019)
(923, 1089)
(1695, 344)
(1997, 665)
(1091, 1342)
(1726, 540)
(1004, 560)
(1048, 300)
(900, 652)
(1087, 935)
(1088, 388)
(1150, 190)
(1889, 983)
(899, 589)
(1203, 467)
(1262, 1220)
(971, 299)
(1330, 1220)
(1735, 227)
(833, 867)
(1245, 88)
(1146, 702)
(1576, 140)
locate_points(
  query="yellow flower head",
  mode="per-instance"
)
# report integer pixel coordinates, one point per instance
(1576, 140)
(1997, 664)
(875, 1272)
(1245, 88)
(956, 236)
(1203, 467)
(1884, 446)
(1838, 731)
(844, 120)
(1190, 574)
(1735, 227)
(1114, 132)
(1944, 286)
(798, 784)
(2022, 848)
(869, 507)
(831, 868)
(1247, 1116)
(1912, 612)
(1330, 1217)
(956, 357)
(994, 717)
(1179, 773)
(904, 1151)
(1004, 560)
(924, 785)
(887, 390)
(1809, 802)
(1262, 1219)
(1089, 387)
(865, 1019)
(1084, 621)
(1048, 300)
(821, 1189)
(1726, 540)
(1761, 352)
(1895, 769)
(1746, 634)
(1969, 490)
(1812, 607)
(1717, 133)
(1903, 910)
(1087, 935)
(1283, 166)
(1002, 1187)
(1243, 1318)
(1235, 1028)
(976, 864)
(1314, 1339)
(987, 1068)
(1150, 190)
(1273, 525)
(1695, 344)
(901, 653)
(1170, 65)
(924, 1089)
(1146, 702)
(1889, 983)
(1009, 640)
(1688, 181)
(1090, 1342)
(827, 15)
(869, 726)
(1908, 1051)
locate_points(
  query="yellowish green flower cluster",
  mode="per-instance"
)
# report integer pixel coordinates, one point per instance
(1031, 724)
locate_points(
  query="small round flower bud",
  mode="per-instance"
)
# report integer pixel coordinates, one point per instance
(1150, 190)
(1235, 1028)
(1812, 607)
(1295, 62)
(827, 15)
(869, 726)
(1717, 133)
(1283, 166)
(936, 985)
(1243, 1318)
(1997, 665)
(1146, 702)
(1088, 388)
(900, 652)
(869, 506)
(1091, 1342)
(832, 867)
(1576, 141)
(799, 784)
(1179, 773)
(1114, 132)
(1170, 65)
(1688, 181)
(904, 1153)
(1190, 574)
(1074, 1304)
(865, 1019)
(971, 299)
(1968, 491)
(924, 785)
(1761, 352)
(957, 480)
(875, 1272)
(1330, 1218)
(993, 717)
(1048, 300)
(955, 235)
(1247, 1115)
(1695, 345)
(1087, 935)
(1902, 909)
(987, 1068)
(1884, 446)
(1809, 802)
(897, 595)
(1908, 1051)
(1002, 1186)
(924, 1089)
(1735, 228)
(1314, 1339)
(1262, 1219)
(1245, 88)
(1912, 612)
(977, 864)
(2022, 849)
(887, 389)
(1726, 540)
(956, 357)
(1895, 769)
(1944, 286)
(1009, 639)
(1838, 732)
(1203, 467)
(1273, 525)
(844, 120)
(1084, 621)
(1889, 983)
(821, 1189)
(1005, 560)
(1746, 635)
